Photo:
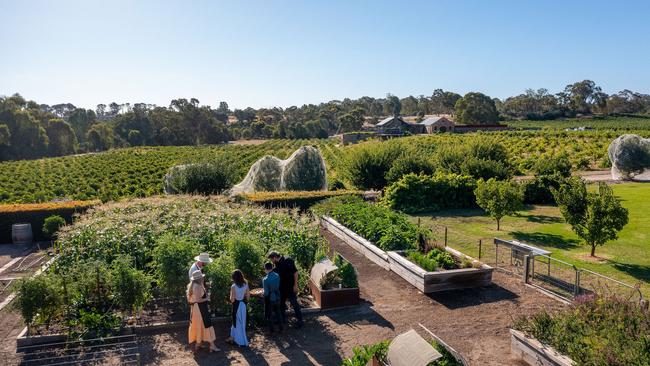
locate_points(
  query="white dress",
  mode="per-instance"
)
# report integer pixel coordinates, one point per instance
(238, 332)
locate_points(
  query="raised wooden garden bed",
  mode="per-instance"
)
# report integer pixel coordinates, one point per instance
(357, 242)
(534, 353)
(451, 279)
(334, 298)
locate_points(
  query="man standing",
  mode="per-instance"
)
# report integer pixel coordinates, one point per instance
(200, 261)
(271, 285)
(286, 268)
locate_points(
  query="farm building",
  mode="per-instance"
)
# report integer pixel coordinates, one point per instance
(395, 125)
(438, 124)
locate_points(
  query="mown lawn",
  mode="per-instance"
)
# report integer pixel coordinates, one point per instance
(626, 259)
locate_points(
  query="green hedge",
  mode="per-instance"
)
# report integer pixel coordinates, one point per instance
(294, 199)
(36, 213)
(419, 192)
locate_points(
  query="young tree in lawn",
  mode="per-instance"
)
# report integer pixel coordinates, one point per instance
(498, 198)
(596, 217)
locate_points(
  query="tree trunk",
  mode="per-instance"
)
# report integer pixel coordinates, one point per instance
(498, 224)
(593, 250)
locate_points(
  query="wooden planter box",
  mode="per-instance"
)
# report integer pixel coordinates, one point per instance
(534, 353)
(451, 279)
(334, 298)
(357, 242)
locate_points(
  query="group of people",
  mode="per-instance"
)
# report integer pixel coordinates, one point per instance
(279, 285)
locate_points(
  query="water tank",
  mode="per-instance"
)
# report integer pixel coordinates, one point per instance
(21, 233)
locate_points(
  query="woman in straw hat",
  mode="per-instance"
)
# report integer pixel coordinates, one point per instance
(201, 329)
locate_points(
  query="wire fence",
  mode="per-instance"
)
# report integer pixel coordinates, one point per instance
(118, 350)
(544, 271)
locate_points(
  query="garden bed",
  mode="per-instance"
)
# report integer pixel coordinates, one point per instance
(534, 353)
(450, 279)
(334, 298)
(357, 242)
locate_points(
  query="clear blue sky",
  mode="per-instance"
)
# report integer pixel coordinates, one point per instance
(267, 53)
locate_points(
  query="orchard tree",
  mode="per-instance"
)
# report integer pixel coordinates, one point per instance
(498, 198)
(62, 138)
(596, 217)
(476, 108)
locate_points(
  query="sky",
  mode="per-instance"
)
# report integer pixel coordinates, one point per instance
(283, 53)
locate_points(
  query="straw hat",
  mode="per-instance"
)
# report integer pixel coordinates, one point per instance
(203, 257)
(197, 275)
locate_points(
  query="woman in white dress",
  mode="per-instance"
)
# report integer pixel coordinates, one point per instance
(239, 296)
(200, 329)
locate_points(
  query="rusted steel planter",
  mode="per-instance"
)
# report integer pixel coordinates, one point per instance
(451, 279)
(334, 298)
(534, 353)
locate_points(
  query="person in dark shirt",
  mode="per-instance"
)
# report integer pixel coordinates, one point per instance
(286, 268)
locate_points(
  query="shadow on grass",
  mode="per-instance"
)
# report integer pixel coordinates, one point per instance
(549, 240)
(456, 299)
(452, 213)
(638, 271)
(543, 219)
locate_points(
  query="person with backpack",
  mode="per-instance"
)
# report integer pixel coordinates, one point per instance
(272, 308)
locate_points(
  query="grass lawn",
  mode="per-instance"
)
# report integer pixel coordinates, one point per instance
(626, 259)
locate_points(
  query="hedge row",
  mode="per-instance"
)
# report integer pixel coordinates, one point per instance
(36, 213)
(294, 199)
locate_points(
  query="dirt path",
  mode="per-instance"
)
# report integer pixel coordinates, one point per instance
(475, 322)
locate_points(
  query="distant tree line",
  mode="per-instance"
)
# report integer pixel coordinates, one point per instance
(31, 130)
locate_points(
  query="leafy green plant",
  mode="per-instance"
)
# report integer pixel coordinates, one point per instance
(218, 275)
(202, 178)
(131, 287)
(171, 258)
(386, 228)
(435, 259)
(38, 296)
(52, 224)
(364, 354)
(247, 256)
(594, 331)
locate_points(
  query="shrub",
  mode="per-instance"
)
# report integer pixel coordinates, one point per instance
(247, 256)
(409, 163)
(596, 331)
(485, 169)
(299, 199)
(52, 224)
(172, 256)
(366, 165)
(218, 274)
(388, 229)
(38, 296)
(204, 178)
(131, 288)
(417, 193)
(480, 158)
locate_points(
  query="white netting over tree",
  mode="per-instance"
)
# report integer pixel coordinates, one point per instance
(629, 155)
(304, 170)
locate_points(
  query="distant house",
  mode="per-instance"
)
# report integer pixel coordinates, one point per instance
(395, 125)
(438, 124)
